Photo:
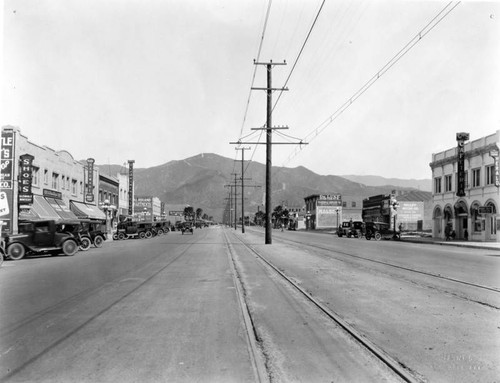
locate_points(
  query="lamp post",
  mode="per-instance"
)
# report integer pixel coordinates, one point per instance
(145, 213)
(337, 211)
(105, 207)
(395, 205)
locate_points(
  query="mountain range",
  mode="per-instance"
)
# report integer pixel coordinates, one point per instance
(203, 181)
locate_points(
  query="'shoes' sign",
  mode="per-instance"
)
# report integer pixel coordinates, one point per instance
(26, 171)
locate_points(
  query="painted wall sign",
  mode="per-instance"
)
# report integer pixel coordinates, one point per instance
(7, 159)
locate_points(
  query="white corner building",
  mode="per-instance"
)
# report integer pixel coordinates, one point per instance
(473, 213)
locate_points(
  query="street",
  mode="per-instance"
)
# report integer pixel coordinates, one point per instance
(210, 307)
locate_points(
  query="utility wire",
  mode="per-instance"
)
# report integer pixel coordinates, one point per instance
(415, 40)
(300, 53)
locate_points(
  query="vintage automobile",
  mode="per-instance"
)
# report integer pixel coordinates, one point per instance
(96, 230)
(351, 229)
(379, 230)
(187, 227)
(76, 228)
(133, 229)
(2, 252)
(161, 227)
(40, 237)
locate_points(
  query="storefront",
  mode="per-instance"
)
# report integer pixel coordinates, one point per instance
(323, 211)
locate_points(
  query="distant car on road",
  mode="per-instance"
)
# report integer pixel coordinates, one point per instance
(351, 229)
(187, 227)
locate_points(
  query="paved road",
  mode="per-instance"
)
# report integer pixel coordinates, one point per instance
(168, 309)
(135, 311)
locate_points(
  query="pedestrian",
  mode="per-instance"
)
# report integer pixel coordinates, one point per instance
(447, 232)
(453, 234)
(466, 235)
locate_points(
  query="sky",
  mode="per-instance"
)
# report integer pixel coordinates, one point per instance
(163, 80)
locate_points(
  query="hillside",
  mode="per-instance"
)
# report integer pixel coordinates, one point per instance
(422, 184)
(200, 181)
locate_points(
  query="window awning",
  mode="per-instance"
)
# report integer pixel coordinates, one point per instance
(83, 210)
(40, 209)
(60, 207)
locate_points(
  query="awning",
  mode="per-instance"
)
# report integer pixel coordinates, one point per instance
(40, 209)
(83, 210)
(60, 207)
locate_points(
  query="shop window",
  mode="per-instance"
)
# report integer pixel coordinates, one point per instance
(447, 183)
(437, 185)
(490, 175)
(476, 219)
(476, 177)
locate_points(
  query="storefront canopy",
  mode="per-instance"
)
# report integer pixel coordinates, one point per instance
(61, 209)
(83, 210)
(40, 209)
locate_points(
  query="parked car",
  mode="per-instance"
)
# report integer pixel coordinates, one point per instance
(133, 229)
(187, 227)
(40, 237)
(379, 230)
(2, 252)
(76, 228)
(161, 227)
(96, 230)
(351, 229)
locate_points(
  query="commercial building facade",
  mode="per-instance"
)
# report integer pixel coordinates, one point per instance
(323, 211)
(466, 189)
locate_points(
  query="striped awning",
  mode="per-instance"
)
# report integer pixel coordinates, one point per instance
(85, 211)
(61, 208)
(40, 209)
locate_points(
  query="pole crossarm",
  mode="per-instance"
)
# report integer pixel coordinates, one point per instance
(271, 89)
(277, 143)
(269, 63)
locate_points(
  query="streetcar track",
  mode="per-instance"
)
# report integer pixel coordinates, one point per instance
(258, 359)
(91, 318)
(439, 276)
(399, 368)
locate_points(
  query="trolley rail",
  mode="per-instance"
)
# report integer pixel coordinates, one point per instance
(396, 367)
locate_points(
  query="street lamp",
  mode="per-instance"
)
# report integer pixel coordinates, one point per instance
(337, 211)
(105, 207)
(395, 205)
(145, 212)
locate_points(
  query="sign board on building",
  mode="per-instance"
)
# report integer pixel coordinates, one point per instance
(131, 187)
(89, 196)
(7, 159)
(461, 138)
(494, 154)
(52, 194)
(176, 213)
(485, 210)
(25, 175)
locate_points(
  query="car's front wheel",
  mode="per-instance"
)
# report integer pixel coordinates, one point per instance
(377, 236)
(86, 243)
(142, 235)
(70, 247)
(16, 251)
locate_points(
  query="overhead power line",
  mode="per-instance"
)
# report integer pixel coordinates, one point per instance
(414, 41)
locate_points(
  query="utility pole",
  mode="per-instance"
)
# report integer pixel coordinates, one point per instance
(269, 142)
(242, 187)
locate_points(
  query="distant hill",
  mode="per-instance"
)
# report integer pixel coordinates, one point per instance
(201, 181)
(423, 184)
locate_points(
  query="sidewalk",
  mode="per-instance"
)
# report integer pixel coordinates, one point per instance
(453, 242)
